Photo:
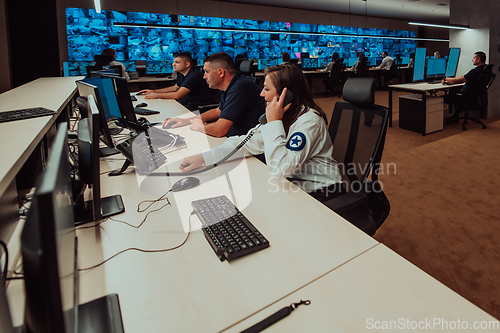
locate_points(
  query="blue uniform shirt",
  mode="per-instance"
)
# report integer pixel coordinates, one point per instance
(471, 78)
(241, 103)
(199, 92)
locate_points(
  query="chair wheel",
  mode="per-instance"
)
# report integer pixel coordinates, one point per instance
(484, 126)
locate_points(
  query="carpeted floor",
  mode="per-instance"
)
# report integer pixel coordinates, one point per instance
(445, 213)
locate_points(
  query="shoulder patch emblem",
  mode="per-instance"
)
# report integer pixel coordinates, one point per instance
(296, 142)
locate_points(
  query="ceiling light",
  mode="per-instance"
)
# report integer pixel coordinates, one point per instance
(97, 6)
(449, 26)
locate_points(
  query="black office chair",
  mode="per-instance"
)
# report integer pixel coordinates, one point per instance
(247, 68)
(392, 73)
(477, 99)
(334, 78)
(358, 128)
(362, 69)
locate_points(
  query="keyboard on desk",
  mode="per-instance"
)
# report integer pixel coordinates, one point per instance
(228, 231)
(25, 114)
(145, 112)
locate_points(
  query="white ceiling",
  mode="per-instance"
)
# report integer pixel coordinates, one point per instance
(422, 10)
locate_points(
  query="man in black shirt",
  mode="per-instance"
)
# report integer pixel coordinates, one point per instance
(478, 60)
(240, 106)
(190, 86)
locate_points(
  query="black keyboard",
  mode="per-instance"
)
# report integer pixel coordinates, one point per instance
(25, 114)
(145, 112)
(228, 231)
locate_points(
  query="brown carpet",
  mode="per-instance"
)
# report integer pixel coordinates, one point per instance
(445, 213)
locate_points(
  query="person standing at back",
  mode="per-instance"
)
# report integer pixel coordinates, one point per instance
(240, 106)
(112, 53)
(190, 86)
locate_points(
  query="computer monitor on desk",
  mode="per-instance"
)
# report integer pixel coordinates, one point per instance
(436, 68)
(309, 63)
(351, 62)
(49, 249)
(103, 93)
(89, 172)
(418, 69)
(453, 58)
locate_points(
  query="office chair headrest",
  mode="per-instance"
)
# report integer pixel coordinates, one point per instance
(246, 66)
(360, 90)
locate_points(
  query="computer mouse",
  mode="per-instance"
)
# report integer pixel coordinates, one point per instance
(141, 105)
(140, 93)
(185, 184)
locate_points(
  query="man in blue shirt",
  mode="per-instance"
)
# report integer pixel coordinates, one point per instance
(240, 106)
(190, 86)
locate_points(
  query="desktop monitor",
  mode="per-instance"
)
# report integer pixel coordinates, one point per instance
(89, 87)
(89, 172)
(418, 69)
(124, 100)
(309, 63)
(436, 67)
(453, 57)
(405, 60)
(351, 61)
(48, 246)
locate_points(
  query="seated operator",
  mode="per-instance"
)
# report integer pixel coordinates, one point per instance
(240, 106)
(190, 86)
(112, 53)
(478, 60)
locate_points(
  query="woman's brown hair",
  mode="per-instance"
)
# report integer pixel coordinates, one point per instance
(291, 76)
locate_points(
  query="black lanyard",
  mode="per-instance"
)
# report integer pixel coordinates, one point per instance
(275, 317)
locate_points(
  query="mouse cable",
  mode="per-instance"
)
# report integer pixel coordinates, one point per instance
(152, 202)
(138, 210)
(142, 250)
(204, 169)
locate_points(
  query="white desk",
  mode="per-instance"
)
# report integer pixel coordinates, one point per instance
(19, 138)
(376, 287)
(190, 290)
(417, 88)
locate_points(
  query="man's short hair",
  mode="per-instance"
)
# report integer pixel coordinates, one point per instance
(186, 56)
(221, 60)
(385, 52)
(108, 52)
(481, 55)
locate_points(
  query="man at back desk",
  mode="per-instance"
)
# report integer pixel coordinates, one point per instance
(478, 60)
(190, 86)
(240, 106)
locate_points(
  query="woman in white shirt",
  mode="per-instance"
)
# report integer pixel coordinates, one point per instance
(295, 139)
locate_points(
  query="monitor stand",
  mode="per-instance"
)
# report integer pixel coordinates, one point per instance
(100, 315)
(110, 206)
(103, 152)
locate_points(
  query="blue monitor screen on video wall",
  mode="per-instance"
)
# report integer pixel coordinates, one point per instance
(453, 57)
(89, 33)
(309, 63)
(418, 69)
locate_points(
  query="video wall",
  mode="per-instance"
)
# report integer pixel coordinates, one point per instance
(89, 33)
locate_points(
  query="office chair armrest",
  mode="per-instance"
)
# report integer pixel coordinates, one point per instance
(346, 201)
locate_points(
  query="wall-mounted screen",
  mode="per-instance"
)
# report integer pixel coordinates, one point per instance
(89, 33)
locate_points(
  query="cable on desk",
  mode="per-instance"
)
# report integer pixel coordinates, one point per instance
(92, 226)
(142, 250)
(6, 266)
(152, 202)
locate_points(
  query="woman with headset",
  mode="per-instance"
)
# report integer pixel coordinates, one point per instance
(295, 139)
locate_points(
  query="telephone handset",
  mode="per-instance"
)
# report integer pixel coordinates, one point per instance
(288, 99)
(262, 120)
